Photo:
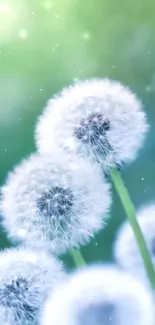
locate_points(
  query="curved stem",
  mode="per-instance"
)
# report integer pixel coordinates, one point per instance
(130, 212)
(78, 258)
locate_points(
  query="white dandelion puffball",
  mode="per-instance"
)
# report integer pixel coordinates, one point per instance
(99, 295)
(98, 118)
(26, 278)
(59, 201)
(126, 251)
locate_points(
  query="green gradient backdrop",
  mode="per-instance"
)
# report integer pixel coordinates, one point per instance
(46, 45)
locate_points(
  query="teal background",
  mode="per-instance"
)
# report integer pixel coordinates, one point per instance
(46, 45)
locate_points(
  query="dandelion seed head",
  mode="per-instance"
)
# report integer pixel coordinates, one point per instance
(126, 251)
(97, 295)
(58, 201)
(101, 119)
(26, 278)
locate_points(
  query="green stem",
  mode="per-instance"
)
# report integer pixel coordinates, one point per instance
(130, 212)
(78, 258)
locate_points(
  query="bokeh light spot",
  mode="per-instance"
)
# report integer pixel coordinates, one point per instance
(23, 33)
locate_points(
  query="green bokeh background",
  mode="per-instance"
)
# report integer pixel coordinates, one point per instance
(45, 46)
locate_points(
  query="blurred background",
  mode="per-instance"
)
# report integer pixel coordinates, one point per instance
(46, 45)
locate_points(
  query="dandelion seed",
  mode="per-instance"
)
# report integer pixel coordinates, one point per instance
(59, 201)
(98, 118)
(100, 295)
(26, 278)
(126, 251)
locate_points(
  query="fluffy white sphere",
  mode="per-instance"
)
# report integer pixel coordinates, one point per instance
(99, 295)
(98, 118)
(126, 251)
(57, 201)
(26, 278)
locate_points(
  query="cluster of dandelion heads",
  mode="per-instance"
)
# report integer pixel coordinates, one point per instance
(99, 295)
(126, 251)
(57, 201)
(26, 278)
(97, 118)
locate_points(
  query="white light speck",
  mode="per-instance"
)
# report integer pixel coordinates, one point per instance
(148, 89)
(33, 13)
(86, 36)
(142, 178)
(75, 79)
(41, 89)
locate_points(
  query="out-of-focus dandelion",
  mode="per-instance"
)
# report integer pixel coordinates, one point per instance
(126, 251)
(58, 201)
(98, 118)
(26, 278)
(100, 295)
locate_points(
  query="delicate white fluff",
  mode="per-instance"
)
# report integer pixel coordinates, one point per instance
(129, 301)
(126, 251)
(26, 278)
(81, 110)
(62, 220)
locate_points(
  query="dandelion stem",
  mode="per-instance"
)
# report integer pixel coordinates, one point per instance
(78, 258)
(130, 212)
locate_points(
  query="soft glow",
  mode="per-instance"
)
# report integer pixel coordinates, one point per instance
(86, 36)
(5, 8)
(12, 14)
(76, 79)
(23, 33)
(48, 5)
